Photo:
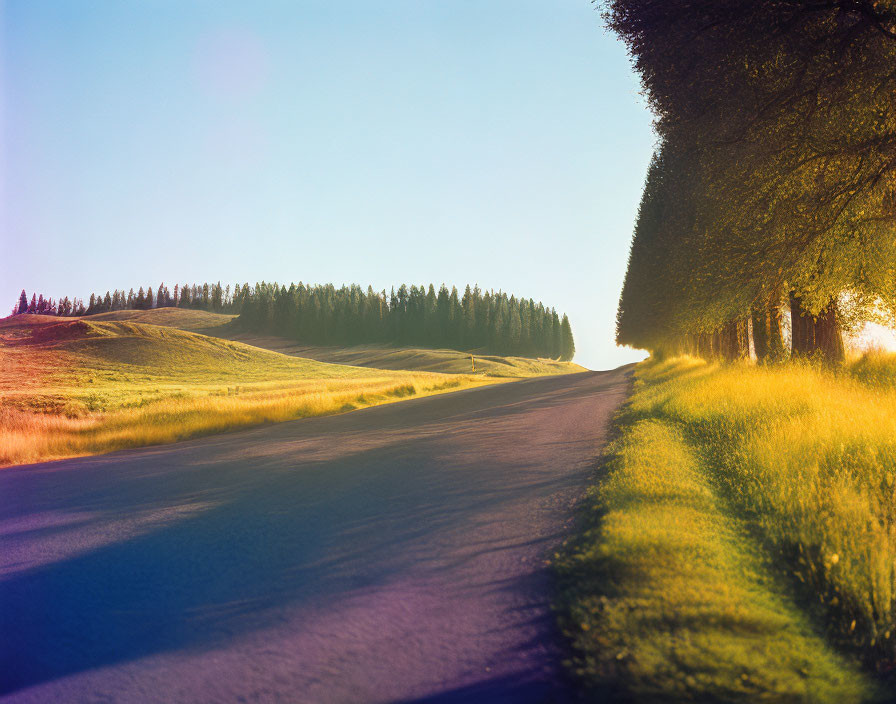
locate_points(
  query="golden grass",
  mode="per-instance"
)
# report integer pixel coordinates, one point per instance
(811, 457)
(181, 318)
(74, 387)
(32, 437)
(666, 598)
(876, 367)
(732, 484)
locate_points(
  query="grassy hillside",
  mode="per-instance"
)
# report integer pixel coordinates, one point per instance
(73, 386)
(417, 359)
(180, 318)
(742, 546)
(377, 356)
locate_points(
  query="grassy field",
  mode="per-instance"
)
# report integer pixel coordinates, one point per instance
(180, 318)
(442, 361)
(72, 387)
(377, 356)
(742, 544)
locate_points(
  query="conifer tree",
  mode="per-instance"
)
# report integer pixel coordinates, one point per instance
(567, 344)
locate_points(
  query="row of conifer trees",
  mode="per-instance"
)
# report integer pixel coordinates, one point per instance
(490, 322)
(771, 198)
(210, 297)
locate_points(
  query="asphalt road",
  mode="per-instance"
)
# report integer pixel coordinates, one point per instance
(393, 554)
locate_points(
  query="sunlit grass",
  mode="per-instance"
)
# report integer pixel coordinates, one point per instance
(76, 388)
(742, 505)
(876, 367)
(32, 437)
(811, 456)
(667, 599)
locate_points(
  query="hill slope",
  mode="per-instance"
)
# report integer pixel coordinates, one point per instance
(82, 386)
(180, 318)
(415, 358)
(444, 361)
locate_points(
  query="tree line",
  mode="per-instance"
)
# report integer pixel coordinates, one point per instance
(487, 321)
(771, 199)
(210, 297)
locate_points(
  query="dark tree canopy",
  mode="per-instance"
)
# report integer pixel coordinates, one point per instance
(775, 177)
(488, 322)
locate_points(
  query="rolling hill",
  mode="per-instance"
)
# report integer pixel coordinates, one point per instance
(444, 361)
(72, 386)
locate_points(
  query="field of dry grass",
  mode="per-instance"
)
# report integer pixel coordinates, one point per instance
(742, 546)
(72, 387)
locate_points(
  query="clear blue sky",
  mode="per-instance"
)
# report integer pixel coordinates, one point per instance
(496, 142)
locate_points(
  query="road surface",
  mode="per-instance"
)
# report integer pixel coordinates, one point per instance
(393, 554)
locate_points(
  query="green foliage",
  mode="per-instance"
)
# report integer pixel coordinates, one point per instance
(744, 527)
(567, 344)
(491, 323)
(776, 170)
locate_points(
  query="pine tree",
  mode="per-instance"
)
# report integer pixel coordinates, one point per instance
(514, 327)
(23, 303)
(217, 299)
(556, 338)
(567, 344)
(408, 316)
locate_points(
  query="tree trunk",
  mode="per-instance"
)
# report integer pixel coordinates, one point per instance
(735, 343)
(768, 342)
(800, 328)
(704, 345)
(829, 336)
(742, 339)
(775, 335)
(760, 319)
(819, 336)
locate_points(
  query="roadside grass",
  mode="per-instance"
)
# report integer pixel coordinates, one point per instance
(743, 543)
(74, 387)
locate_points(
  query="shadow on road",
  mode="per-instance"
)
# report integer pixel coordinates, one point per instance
(189, 547)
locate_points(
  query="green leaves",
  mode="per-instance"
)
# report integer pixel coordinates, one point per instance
(777, 165)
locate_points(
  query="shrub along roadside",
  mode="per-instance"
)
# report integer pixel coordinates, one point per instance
(733, 500)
